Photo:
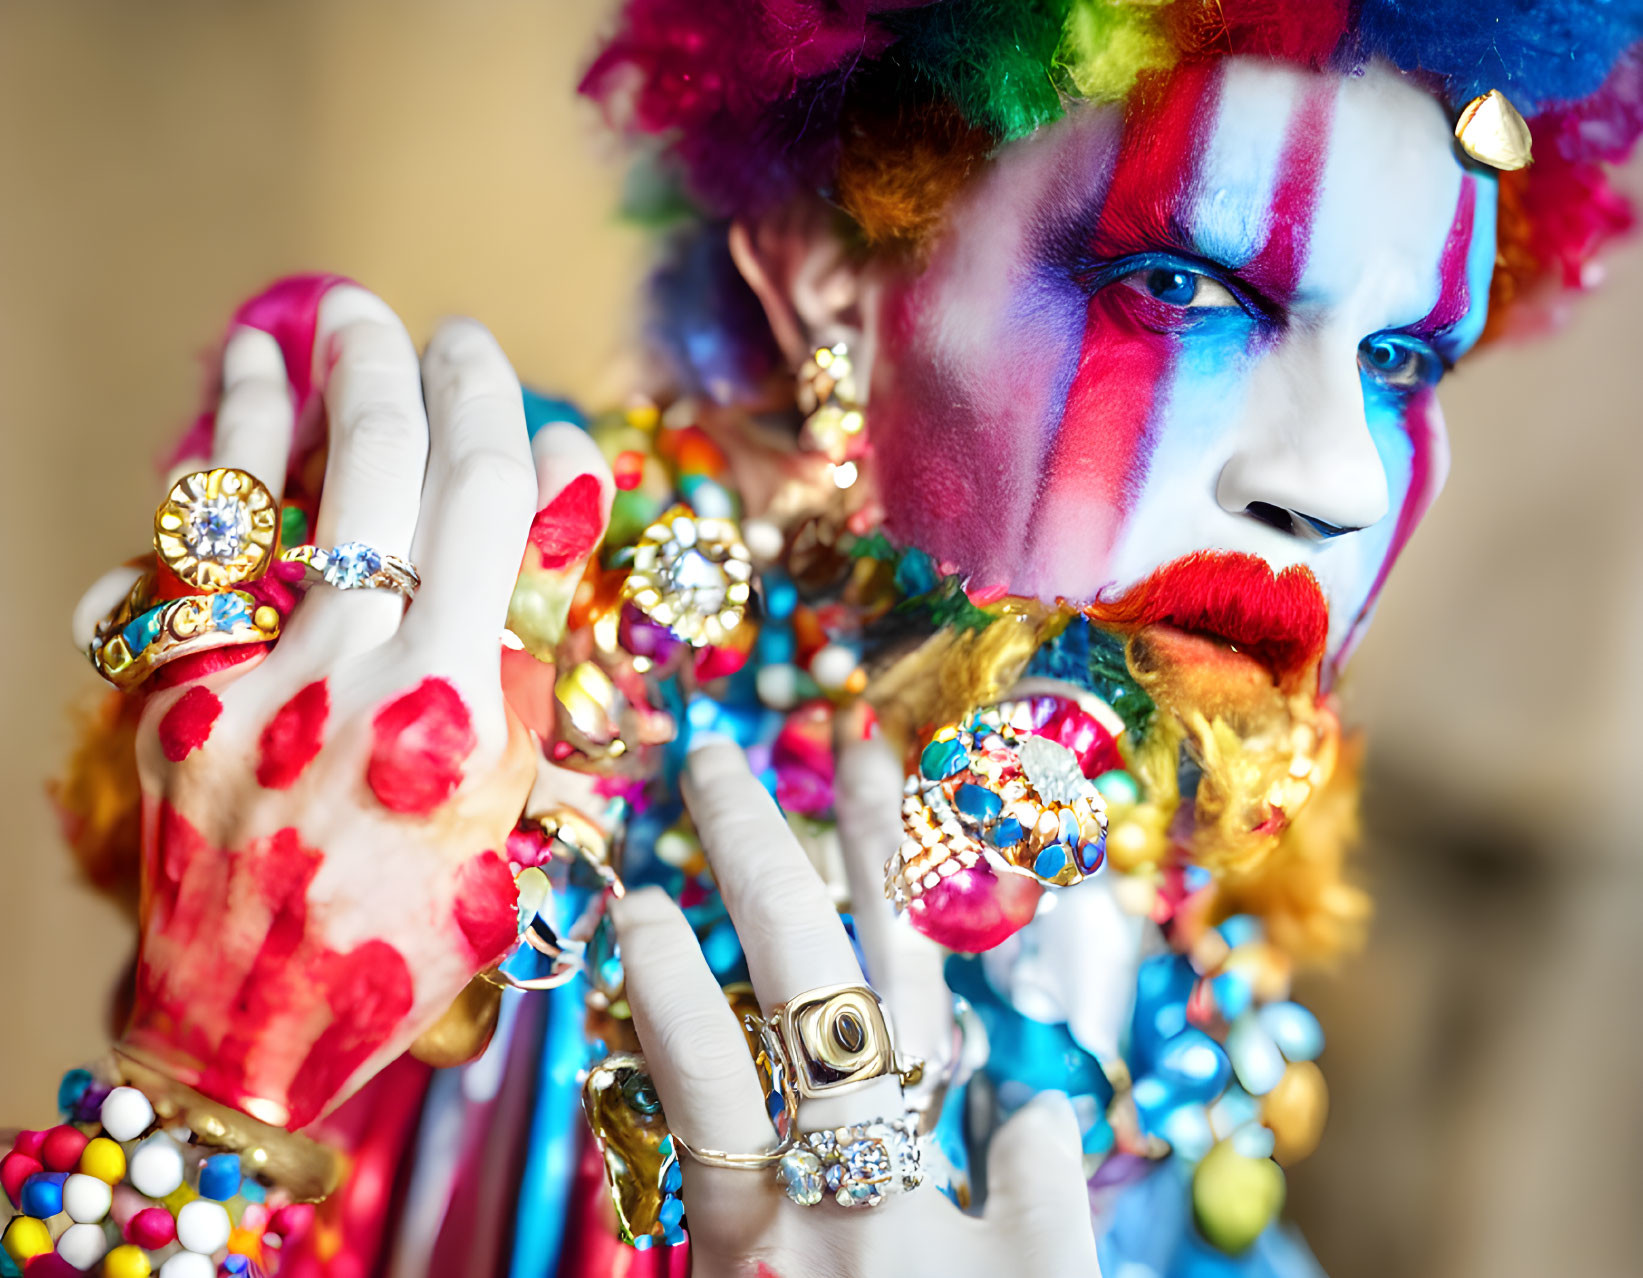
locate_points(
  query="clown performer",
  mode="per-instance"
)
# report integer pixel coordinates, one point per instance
(855, 807)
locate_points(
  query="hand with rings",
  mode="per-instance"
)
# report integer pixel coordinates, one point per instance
(323, 823)
(852, 1151)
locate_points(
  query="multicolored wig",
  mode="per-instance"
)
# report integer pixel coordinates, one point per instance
(885, 107)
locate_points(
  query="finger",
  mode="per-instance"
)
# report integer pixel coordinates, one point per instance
(255, 416)
(100, 599)
(574, 493)
(904, 967)
(1036, 1187)
(374, 468)
(480, 494)
(784, 917)
(694, 1049)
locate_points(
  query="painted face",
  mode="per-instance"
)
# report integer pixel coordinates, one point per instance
(1216, 324)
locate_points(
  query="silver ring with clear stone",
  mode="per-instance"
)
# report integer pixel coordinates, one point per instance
(860, 1164)
(356, 566)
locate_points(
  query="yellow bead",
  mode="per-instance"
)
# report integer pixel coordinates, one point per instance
(180, 1197)
(1296, 1110)
(1234, 1198)
(104, 1159)
(26, 1238)
(127, 1262)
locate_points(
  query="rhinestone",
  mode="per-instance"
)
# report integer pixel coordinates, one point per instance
(800, 1175)
(217, 528)
(350, 565)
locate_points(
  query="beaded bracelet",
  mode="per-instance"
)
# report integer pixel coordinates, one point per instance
(144, 1176)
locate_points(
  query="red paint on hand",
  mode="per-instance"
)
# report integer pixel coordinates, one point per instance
(185, 727)
(369, 992)
(293, 737)
(421, 741)
(487, 907)
(570, 525)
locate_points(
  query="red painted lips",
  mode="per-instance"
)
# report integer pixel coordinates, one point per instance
(1279, 618)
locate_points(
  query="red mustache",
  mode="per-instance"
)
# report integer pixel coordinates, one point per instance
(1280, 619)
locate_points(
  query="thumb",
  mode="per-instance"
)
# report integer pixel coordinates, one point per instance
(1036, 1191)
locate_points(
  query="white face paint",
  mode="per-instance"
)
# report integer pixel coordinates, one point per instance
(1213, 327)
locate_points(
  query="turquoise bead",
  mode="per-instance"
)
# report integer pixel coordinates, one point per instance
(220, 1177)
(1118, 786)
(74, 1085)
(942, 759)
(1051, 861)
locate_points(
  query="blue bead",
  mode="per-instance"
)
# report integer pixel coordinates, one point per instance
(1051, 861)
(1118, 786)
(252, 1191)
(916, 573)
(236, 1264)
(643, 1242)
(1099, 1139)
(1194, 1066)
(69, 1091)
(978, 802)
(43, 1194)
(776, 646)
(1294, 1029)
(780, 596)
(1239, 929)
(1091, 854)
(672, 1181)
(8, 1266)
(942, 759)
(1007, 833)
(1232, 994)
(672, 1212)
(220, 1177)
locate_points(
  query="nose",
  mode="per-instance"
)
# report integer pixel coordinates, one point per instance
(1304, 461)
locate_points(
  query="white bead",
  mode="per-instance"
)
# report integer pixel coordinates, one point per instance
(156, 1166)
(189, 1264)
(203, 1226)
(832, 666)
(83, 1245)
(86, 1199)
(126, 1113)
(778, 685)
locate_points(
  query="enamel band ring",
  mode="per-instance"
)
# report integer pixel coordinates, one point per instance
(128, 647)
(217, 529)
(356, 566)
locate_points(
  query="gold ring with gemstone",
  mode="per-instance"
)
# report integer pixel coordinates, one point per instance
(837, 1037)
(356, 566)
(129, 653)
(217, 529)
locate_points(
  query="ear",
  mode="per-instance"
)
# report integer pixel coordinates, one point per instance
(811, 285)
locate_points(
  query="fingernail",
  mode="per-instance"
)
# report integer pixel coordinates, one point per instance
(707, 739)
(569, 527)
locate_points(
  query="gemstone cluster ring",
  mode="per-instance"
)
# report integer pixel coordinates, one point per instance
(217, 529)
(356, 566)
(860, 1164)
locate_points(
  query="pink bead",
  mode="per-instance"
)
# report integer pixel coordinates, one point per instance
(29, 1143)
(151, 1229)
(15, 1168)
(292, 1222)
(127, 1203)
(62, 1147)
(975, 909)
(50, 1265)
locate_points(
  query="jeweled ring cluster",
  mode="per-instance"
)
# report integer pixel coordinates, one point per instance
(860, 1165)
(990, 789)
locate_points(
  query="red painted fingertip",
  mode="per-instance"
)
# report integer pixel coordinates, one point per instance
(293, 737)
(186, 726)
(420, 741)
(569, 526)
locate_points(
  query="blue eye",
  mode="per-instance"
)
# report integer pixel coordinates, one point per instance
(1176, 286)
(1400, 361)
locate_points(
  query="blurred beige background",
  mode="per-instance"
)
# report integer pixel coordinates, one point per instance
(160, 161)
